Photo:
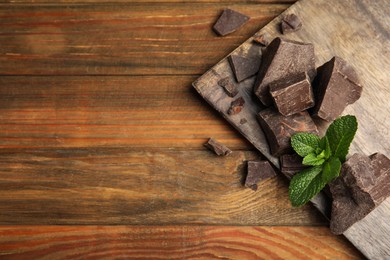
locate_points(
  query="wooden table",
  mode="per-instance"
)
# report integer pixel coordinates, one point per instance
(101, 139)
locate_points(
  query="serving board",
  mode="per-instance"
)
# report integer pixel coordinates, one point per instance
(357, 31)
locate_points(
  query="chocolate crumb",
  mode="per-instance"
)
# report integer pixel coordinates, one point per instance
(229, 87)
(290, 23)
(236, 106)
(218, 148)
(243, 121)
(262, 39)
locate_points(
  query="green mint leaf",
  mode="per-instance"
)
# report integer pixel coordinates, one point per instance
(305, 143)
(331, 169)
(340, 135)
(324, 143)
(313, 160)
(305, 185)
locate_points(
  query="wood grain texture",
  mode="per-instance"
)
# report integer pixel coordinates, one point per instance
(177, 242)
(133, 186)
(145, 39)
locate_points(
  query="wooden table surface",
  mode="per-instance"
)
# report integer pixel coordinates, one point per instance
(101, 139)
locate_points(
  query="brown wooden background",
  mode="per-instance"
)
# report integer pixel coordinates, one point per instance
(101, 139)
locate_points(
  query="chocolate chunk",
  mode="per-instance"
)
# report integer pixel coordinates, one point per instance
(336, 86)
(258, 171)
(262, 39)
(244, 68)
(290, 23)
(282, 58)
(229, 87)
(217, 147)
(236, 106)
(229, 21)
(279, 128)
(292, 94)
(291, 164)
(362, 185)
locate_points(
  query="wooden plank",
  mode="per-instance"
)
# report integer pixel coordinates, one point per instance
(132, 186)
(136, 38)
(173, 242)
(364, 47)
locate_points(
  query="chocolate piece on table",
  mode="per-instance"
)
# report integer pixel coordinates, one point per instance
(236, 106)
(229, 21)
(335, 87)
(229, 87)
(291, 164)
(282, 58)
(290, 23)
(279, 129)
(292, 94)
(258, 171)
(362, 185)
(217, 147)
(262, 39)
(244, 68)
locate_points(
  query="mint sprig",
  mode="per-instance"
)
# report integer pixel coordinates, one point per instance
(325, 155)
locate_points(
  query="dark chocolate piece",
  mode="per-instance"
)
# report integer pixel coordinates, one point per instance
(229, 21)
(291, 164)
(362, 185)
(290, 23)
(244, 68)
(229, 87)
(236, 106)
(282, 58)
(262, 39)
(279, 128)
(217, 147)
(258, 171)
(336, 86)
(292, 94)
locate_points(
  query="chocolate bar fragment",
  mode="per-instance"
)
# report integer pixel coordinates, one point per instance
(229, 87)
(290, 23)
(258, 171)
(291, 164)
(279, 129)
(362, 185)
(229, 21)
(244, 68)
(262, 39)
(236, 106)
(292, 94)
(218, 148)
(336, 86)
(280, 59)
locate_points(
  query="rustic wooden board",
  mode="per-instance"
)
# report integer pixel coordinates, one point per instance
(354, 30)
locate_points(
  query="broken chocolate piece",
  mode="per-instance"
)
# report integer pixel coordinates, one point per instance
(290, 23)
(362, 185)
(244, 68)
(292, 94)
(258, 171)
(282, 58)
(291, 164)
(236, 106)
(229, 87)
(336, 86)
(218, 148)
(279, 129)
(229, 21)
(262, 39)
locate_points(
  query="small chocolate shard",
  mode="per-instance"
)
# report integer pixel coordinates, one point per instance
(218, 148)
(229, 87)
(236, 106)
(336, 86)
(282, 58)
(229, 21)
(292, 94)
(258, 171)
(279, 129)
(244, 68)
(362, 185)
(291, 164)
(243, 121)
(290, 23)
(262, 39)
